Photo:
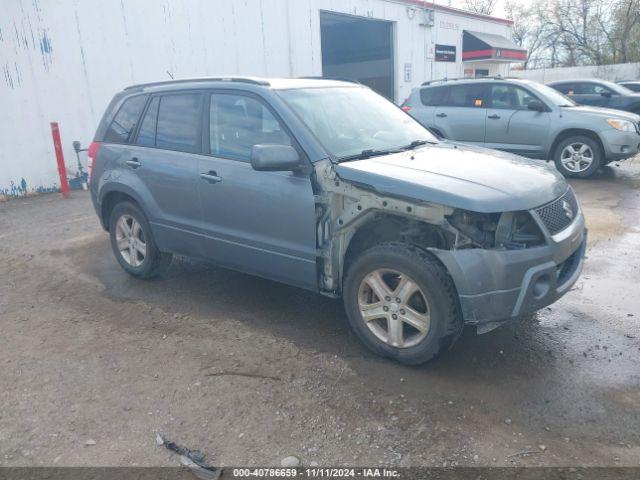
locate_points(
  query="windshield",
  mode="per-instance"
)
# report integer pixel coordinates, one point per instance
(620, 89)
(553, 95)
(355, 121)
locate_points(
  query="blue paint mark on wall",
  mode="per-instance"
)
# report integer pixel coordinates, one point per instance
(21, 189)
(45, 44)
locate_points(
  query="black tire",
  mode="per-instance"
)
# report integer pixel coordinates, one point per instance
(436, 285)
(155, 262)
(598, 156)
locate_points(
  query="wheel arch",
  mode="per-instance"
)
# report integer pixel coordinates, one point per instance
(382, 227)
(570, 132)
(114, 196)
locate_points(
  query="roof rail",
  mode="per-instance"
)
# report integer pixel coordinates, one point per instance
(253, 81)
(445, 79)
(339, 79)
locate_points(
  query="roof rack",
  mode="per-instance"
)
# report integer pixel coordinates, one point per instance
(445, 79)
(339, 79)
(250, 80)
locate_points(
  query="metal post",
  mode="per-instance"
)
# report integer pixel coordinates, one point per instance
(62, 172)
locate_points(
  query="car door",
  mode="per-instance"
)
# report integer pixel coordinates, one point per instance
(591, 93)
(258, 222)
(511, 126)
(164, 158)
(427, 100)
(462, 114)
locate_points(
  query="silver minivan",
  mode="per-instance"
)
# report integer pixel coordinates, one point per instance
(527, 118)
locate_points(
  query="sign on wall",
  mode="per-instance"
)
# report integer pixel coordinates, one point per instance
(407, 72)
(445, 53)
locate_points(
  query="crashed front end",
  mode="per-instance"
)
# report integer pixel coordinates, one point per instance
(503, 264)
(535, 258)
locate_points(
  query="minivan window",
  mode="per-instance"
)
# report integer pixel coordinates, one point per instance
(469, 95)
(238, 122)
(509, 97)
(178, 126)
(147, 133)
(125, 121)
(434, 96)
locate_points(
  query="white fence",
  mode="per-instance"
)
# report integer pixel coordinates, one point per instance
(620, 71)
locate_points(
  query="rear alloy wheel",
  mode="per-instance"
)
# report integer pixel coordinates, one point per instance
(578, 156)
(402, 303)
(133, 243)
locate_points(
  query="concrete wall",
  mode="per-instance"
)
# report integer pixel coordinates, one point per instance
(63, 60)
(621, 71)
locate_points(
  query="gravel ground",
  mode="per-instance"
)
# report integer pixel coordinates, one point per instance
(94, 363)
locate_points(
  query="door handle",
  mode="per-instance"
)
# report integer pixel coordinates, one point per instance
(441, 115)
(211, 176)
(133, 163)
(494, 117)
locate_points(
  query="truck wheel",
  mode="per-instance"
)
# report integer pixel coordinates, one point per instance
(133, 243)
(578, 156)
(402, 303)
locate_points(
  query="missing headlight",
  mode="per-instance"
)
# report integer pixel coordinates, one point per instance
(478, 229)
(517, 230)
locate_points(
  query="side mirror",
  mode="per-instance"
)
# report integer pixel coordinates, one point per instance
(275, 158)
(606, 94)
(537, 106)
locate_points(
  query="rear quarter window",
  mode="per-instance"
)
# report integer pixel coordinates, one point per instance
(124, 123)
(434, 96)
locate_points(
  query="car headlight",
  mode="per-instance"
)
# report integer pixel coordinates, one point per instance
(622, 125)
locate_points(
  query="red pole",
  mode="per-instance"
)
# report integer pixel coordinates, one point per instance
(57, 144)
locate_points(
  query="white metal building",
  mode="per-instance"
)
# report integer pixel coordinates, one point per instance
(62, 60)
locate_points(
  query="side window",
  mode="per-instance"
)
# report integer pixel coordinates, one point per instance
(238, 122)
(147, 132)
(434, 96)
(510, 97)
(178, 125)
(469, 95)
(566, 88)
(125, 121)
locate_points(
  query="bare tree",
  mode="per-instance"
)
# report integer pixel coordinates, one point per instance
(484, 7)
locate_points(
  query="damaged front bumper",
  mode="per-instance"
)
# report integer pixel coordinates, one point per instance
(497, 285)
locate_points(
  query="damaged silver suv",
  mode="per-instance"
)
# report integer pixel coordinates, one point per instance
(327, 186)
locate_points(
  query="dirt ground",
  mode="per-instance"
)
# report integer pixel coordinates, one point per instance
(250, 371)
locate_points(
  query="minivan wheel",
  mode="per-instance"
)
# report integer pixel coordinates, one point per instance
(578, 156)
(133, 244)
(401, 302)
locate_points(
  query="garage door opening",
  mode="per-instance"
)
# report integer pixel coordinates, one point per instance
(358, 49)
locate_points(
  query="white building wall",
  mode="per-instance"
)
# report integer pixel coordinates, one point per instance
(63, 60)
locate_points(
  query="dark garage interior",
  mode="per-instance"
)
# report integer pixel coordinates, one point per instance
(358, 49)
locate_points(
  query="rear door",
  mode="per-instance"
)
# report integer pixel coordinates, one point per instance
(165, 159)
(511, 125)
(262, 223)
(462, 113)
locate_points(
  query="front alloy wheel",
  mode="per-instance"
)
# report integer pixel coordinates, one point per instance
(577, 157)
(401, 302)
(394, 308)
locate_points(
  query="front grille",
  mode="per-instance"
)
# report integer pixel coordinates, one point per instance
(560, 213)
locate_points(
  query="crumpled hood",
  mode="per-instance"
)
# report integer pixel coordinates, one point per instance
(470, 178)
(603, 112)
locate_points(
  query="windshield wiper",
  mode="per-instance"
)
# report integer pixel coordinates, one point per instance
(416, 144)
(368, 153)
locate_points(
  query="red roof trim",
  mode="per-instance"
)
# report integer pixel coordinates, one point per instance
(457, 11)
